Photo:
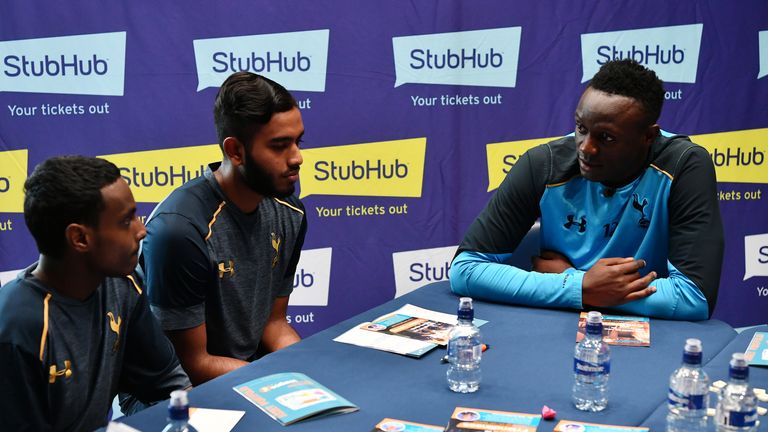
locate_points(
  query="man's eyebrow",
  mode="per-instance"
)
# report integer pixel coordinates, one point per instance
(130, 211)
(282, 139)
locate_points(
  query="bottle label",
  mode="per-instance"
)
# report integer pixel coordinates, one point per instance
(739, 418)
(582, 367)
(691, 402)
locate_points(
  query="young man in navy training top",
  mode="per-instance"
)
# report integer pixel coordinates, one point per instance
(629, 218)
(75, 327)
(221, 250)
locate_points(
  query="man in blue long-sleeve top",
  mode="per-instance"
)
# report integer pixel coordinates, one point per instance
(629, 218)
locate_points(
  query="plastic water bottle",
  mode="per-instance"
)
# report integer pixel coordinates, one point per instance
(464, 351)
(178, 413)
(737, 405)
(688, 392)
(591, 367)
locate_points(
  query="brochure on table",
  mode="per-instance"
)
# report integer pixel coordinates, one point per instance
(290, 397)
(574, 426)
(474, 419)
(620, 330)
(395, 425)
(757, 352)
(411, 331)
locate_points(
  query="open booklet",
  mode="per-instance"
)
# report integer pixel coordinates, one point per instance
(574, 426)
(394, 425)
(289, 397)
(473, 419)
(620, 330)
(411, 331)
(757, 352)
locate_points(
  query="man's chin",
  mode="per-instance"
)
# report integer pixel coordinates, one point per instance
(590, 175)
(286, 192)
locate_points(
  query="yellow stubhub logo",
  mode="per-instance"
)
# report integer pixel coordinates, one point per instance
(153, 174)
(13, 172)
(502, 156)
(386, 168)
(739, 156)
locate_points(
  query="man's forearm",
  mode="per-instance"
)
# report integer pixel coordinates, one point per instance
(207, 367)
(486, 276)
(278, 335)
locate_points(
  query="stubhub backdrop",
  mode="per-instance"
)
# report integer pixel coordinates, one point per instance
(414, 112)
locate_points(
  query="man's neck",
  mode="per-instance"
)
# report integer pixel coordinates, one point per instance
(69, 277)
(235, 189)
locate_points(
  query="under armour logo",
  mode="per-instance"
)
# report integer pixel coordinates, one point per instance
(224, 269)
(115, 327)
(53, 373)
(571, 222)
(276, 246)
(637, 205)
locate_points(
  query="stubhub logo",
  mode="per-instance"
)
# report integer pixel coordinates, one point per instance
(154, 174)
(296, 60)
(763, 49)
(755, 256)
(312, 278)
(13, 173)
(672, 52)
(479, 57)
(502, 156)
(92, 64)
(416, 268)
(738, 156)
(387, 168)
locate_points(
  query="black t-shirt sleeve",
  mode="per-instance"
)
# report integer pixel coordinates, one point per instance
(177, 271)
(151, 369)
(23, 399)
(296, 254)
(696, 239)
(514, 207)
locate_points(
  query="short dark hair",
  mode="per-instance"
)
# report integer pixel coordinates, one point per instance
(61, 191)
(245, 103)
(629, 78)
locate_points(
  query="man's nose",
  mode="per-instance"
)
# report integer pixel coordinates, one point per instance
(587, 146)
(296, 158)
(142, 230)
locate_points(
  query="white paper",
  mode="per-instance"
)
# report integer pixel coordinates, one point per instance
(398, 344)
(214, 420)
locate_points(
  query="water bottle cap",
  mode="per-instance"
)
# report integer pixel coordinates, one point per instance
(693, 345)
(738, 368)
(465, 303)
(594, 317)
(179, 399)
(738, 360)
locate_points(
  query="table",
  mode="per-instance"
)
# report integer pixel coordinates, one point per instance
(529, 364)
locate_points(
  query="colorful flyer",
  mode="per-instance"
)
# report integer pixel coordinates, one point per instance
(757, 352)
(395, 425)
(574, 426)
(473, 419)
(290, 397)
(411, 331)
(412, 327)
(620, 330)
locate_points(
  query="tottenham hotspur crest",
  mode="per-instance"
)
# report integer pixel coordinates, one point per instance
(276, 246)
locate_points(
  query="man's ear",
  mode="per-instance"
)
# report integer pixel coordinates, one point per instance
(234, 151)
(651, 133)
(79, 237)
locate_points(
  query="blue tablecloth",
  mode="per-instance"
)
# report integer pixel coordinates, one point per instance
(529, 364)
(717, 369)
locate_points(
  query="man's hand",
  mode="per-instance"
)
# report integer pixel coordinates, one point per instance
(550, 262)
(615, 281)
